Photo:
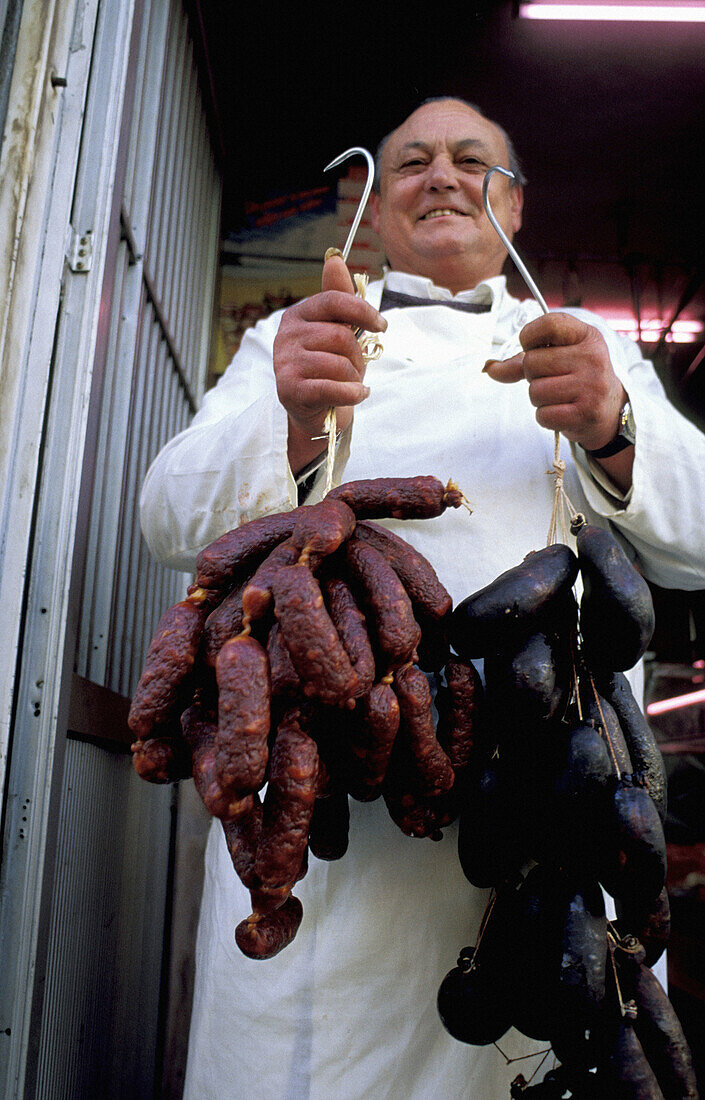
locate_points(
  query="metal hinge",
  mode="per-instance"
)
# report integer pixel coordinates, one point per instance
(80, 251)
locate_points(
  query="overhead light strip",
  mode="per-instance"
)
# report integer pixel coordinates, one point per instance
(661, 706)
(656, 13)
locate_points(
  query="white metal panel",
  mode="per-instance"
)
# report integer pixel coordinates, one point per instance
(42, 692)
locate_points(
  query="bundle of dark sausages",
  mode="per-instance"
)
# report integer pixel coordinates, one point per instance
(296, 661)
(568, 793)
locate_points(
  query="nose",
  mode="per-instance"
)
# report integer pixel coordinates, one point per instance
(440, 175)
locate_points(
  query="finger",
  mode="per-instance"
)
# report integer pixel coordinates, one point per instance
(546, 391)
(508, 370)
(334, 368)
(322, 393)
(345, 309)
(553, 330)
(336, 275)
(336, 339)
(563, 419)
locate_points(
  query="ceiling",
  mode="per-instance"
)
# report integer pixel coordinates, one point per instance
(608, 120)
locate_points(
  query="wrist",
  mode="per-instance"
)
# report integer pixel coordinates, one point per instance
(625, 435)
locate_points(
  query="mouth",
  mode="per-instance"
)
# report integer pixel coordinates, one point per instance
(441, 212)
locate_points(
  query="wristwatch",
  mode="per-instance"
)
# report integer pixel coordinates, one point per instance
(625, 437)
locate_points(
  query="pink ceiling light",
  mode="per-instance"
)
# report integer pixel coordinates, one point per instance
(637, 12)
(691, 699)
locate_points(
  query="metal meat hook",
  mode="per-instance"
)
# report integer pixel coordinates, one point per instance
(365, 194)
(503, 236)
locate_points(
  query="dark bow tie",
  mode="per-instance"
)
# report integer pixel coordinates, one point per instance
(393, 299)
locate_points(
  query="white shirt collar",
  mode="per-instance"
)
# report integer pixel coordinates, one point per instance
(489, 291)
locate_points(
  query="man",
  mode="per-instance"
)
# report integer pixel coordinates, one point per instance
(349, 1008)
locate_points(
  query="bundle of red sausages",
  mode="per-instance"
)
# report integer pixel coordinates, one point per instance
(297, 661)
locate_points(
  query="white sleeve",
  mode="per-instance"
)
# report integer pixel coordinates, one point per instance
(663, 515)
(229, 466)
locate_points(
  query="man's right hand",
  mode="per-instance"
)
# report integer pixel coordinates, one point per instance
(318, 362)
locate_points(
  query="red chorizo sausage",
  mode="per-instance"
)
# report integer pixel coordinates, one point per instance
(285, 679)
(459, 714)
(350, 624)
(288, 806)
(225, 621)
(321, 528)
(330, 822)
(233, 554)
(170, 659)
(372, 747)
(434, 770)
(263, 937)
(313, 643)
(398, 497)
(162, 759)
(427, 594)
(241, 837)
(242, 672)
(257, 596)
(397, 632)
(200, 732)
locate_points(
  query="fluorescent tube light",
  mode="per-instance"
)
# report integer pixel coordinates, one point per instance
(661, 706)
(644, 13)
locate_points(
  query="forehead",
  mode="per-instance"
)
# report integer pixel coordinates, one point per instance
(441, 125)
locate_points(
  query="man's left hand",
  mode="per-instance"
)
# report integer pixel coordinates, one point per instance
(571, 381)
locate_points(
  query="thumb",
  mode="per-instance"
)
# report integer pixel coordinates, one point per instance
(335, 273)
(509, 370)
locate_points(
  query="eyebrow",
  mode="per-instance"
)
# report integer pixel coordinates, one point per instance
(463, 143)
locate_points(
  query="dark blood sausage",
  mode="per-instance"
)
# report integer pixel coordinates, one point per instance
(373, 740)
(461, 705)
(647, 762)
(169, 661)
(418, 576)
(516, 603)
(616, 609)
(284, 677)
(651, 924)
(241, 837)
(243, 715)
(219, 564)
(288, 806)
(397, 631)
(626, 1071)
(661, 1036)
(313, 643)
(321, 528)
(634, 869)
(398, 497)
(434, 770)
(350, 623)
(264, 937)
(257, 596)
(162, 759)
(225, 621)
(200, 732)
(330, 822)
(598, 711)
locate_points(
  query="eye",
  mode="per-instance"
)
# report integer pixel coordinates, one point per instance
(473, 162)
(413, 162)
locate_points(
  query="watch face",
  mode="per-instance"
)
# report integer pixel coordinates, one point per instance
(627, 426)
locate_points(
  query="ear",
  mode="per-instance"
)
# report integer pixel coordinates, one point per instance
(373, 207)
(516, 195)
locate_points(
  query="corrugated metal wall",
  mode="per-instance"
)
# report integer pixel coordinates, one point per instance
(100, 1032)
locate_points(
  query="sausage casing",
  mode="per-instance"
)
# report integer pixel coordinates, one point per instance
(434, 770)
(397, 632)
(220, 563)
(288, 806)
(243, 714)
(459, 715)
(398, 497)
(264, 937)
(418, 576)
(313, 643)
(322, 528)
(162, 759)
(200, 732)
(169, 661)
(373, 740)
(350, 624)
(257, 595)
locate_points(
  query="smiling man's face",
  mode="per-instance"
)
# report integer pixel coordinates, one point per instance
(429, 213)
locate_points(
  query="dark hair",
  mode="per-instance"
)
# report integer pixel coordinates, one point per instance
(514, 162)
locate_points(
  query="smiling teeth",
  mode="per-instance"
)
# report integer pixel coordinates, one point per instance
(439, 213)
